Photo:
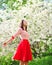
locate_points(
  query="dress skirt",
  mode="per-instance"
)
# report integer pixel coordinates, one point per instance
(23, 51)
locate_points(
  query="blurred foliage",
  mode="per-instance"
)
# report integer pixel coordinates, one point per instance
(6, 60)
(43, 61)
(13, 4)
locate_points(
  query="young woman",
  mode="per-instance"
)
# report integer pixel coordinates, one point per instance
(23, 52)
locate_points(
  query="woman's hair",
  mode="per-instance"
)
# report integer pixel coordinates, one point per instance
(21, 25)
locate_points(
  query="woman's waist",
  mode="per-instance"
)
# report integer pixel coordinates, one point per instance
(24, 39)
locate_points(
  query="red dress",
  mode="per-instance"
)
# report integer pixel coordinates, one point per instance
(23, 51)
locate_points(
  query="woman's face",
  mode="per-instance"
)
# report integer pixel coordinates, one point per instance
(25, 23)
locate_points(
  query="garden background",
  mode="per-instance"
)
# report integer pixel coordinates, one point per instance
(38, 13)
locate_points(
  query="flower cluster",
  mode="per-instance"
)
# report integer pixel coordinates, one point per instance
(38, 15)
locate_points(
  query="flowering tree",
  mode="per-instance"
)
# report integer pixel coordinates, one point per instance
(38, 14)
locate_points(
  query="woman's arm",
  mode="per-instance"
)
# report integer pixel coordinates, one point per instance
(14, 36)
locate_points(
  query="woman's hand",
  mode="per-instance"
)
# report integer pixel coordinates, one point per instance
(4, 44)
(9, 41)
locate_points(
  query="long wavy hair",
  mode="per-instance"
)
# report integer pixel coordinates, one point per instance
(21, 25)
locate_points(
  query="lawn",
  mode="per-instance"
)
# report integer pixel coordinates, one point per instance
(6, 60)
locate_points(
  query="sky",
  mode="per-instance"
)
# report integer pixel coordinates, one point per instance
(48, 0)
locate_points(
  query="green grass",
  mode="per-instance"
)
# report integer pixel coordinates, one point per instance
(43, 61)
(6, 60)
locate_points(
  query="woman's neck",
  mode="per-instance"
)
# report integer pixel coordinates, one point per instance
(24, 27)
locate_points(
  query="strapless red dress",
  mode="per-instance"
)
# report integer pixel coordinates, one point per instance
(23, 51)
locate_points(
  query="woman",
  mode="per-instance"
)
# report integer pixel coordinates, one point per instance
(23, 52)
